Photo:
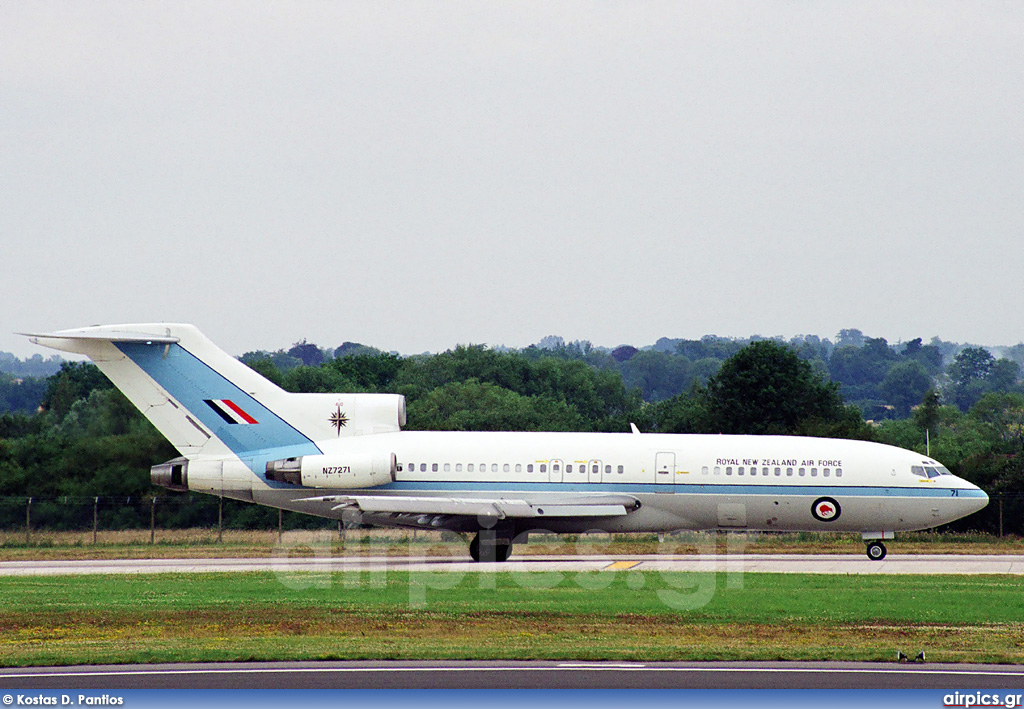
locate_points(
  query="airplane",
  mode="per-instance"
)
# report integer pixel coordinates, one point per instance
(345, 456)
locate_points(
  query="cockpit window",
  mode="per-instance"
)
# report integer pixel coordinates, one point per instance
(929, 471)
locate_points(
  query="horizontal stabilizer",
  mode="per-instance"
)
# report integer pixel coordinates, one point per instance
(41, 338)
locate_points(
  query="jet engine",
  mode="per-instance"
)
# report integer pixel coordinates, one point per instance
(343, 472)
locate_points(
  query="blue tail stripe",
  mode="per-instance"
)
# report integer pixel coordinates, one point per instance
(192, 382)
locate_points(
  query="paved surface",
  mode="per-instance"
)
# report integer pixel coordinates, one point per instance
(516, 675)
(750, 563)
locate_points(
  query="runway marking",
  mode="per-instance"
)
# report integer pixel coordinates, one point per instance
(617, 565)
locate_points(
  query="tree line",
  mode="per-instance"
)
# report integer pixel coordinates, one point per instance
(86, 439)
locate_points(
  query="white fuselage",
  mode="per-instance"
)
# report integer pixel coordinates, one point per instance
(682, 481)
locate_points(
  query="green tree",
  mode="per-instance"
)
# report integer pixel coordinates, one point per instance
(905, 385)
(658, 375)
(767, 388)
(1002, 417)
(972, 364)
(74, 381)
(370, 372)
(927, 415)
(480, 406)
(1003, 375)
(969, 376)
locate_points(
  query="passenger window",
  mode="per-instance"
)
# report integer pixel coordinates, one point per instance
(764, 471)
(595, 468)
(519, 467)
(620, 470)
(506, 468)
(458, 467)
(568, 468)
(555, 468)
(412, 467)
(814, 472)
(447, 467)
(704, 470)
(789, 472)
(607, 469)
(433, 467)
(494, 467)
(778, 471)
(839, 472)
(740, 470)
(803, 472)
(529, 467)
(469, 468)
(543, 467)
(728, 470)
(423, 467)
(825, 472)
(718, 470)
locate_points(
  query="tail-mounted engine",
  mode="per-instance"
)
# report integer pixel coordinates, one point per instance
(343, 472)
(173, 474)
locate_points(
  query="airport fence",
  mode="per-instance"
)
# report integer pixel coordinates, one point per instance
(153, 512)
(1003, 516)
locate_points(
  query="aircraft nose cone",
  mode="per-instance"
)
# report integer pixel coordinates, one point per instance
(975, 499)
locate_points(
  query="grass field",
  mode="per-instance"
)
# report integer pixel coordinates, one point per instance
(620, 615)
(203, 543)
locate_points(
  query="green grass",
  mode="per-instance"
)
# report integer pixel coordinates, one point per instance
(625, 615)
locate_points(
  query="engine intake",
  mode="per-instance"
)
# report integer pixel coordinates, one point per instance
(173, 474)
(343, 472)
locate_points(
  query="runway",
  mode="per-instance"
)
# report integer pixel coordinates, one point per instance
(515, 675)
(745, 563)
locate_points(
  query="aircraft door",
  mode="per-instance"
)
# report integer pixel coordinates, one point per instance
(555, 471)
(594, 471)
(665, 467)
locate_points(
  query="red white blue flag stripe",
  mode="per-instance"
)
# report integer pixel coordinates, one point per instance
(229, 411)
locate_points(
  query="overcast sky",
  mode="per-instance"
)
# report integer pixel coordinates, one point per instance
(415, 175)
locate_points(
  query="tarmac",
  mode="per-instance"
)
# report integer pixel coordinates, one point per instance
(735, 563)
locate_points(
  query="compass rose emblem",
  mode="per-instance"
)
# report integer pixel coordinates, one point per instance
(338, 419)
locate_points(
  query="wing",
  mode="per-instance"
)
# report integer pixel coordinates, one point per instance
(500, 507)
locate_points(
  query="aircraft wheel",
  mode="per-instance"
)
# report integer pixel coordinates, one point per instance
(876, 551)
(499, 551)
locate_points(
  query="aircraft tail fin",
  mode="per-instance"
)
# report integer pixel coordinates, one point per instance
(206, 401)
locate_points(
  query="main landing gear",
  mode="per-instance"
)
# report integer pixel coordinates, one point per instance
(876, 551)
(491, 547)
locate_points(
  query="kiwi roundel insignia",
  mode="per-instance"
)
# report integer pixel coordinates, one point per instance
(338, 419)
(826, 509)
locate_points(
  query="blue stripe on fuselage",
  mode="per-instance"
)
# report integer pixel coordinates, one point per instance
(191, 382)
(682, 488)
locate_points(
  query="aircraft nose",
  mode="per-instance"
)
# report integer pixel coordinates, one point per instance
(972, 498)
